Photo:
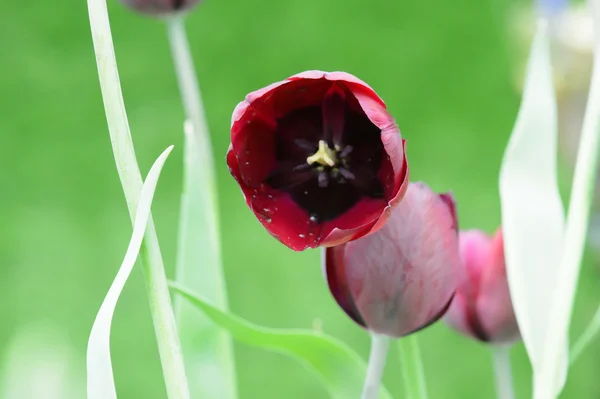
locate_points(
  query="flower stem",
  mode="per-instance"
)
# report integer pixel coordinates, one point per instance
(503, 372)
(379, 350)
(199, 261)
(586, 338)
(190, 95)
(131, 180)
(412, 368)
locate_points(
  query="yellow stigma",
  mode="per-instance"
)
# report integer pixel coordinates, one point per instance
(324, 155)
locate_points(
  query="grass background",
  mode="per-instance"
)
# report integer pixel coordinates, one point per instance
(444, 69)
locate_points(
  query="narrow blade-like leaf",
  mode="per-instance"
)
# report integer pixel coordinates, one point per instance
(40, 362)
(100, 382)
(207, 349)
(532, 211)
(580, 205)
(339, 367)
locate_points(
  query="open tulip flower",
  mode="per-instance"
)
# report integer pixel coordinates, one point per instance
(319, 159)
(482, 308)
(401, 278)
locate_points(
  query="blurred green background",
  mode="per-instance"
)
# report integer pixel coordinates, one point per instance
(444, 69)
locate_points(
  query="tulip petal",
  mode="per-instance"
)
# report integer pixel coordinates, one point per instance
(338, 367)
(336, 279)
(532, 211)
(401, 278)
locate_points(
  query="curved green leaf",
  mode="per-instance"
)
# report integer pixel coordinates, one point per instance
(100, 381)
(533, 219)
(338, 366)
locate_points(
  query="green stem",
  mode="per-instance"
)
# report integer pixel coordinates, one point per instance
(586, 338)
(131, 180)
(503, 372)
(379, 349)
(412, 368)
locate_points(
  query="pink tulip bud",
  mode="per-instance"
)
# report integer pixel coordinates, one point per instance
(159, 7)
(482, 308)
(401, 278)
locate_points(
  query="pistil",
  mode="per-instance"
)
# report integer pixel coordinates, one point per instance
(324, 156)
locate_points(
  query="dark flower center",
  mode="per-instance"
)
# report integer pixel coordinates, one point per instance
(328, 156)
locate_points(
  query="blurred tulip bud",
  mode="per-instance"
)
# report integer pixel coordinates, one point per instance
(402, 278)
(482, 308)
(319, 159)
(160, 7)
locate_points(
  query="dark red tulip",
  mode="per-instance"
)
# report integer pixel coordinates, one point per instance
(159, 7)
(319, 159)
(402, 278)
(482, 308)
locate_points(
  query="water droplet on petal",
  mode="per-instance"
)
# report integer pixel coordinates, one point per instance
(247, 162)
(301, 235)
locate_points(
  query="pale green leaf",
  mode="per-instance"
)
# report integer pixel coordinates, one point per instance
(100, 382)
(207, 349)
(580, 205)
(40, 362)
(339, 367)
(532, 211)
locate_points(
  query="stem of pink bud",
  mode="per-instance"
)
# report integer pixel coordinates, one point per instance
(379, 350)
(503, 372)
(413, 375)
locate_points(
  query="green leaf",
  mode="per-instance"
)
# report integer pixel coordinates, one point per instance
(100, 381)
(533, 218)
(40, 362)
(586, 338)
(339, 367)
(207, 349)
(580, 205)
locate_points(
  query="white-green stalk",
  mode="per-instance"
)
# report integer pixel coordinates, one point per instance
(379, 349)
(503, 372)
(131, 180)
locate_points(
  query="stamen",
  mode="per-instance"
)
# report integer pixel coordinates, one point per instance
(324, 155)
(347, 174)
(323, 179)
(287, 176)
(305, 144)
(346, 151)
